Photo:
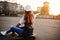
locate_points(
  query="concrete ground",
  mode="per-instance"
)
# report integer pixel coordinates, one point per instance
(45, 29)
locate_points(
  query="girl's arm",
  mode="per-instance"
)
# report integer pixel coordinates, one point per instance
(20, 22)
(36, 15)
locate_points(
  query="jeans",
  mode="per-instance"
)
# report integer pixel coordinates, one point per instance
(21, 31)
(18, 30)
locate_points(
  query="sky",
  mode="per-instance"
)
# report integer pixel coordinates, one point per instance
(54, 4)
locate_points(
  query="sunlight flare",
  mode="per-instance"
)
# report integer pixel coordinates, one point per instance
(54, 5)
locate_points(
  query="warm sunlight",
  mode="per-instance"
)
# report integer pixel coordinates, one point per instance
(54, 4)
(54, 7)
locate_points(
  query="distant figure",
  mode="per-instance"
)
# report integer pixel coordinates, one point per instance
(27, 20)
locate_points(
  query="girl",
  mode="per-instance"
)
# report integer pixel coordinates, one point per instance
(27, 20)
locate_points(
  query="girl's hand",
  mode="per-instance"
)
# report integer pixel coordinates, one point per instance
(18, 25)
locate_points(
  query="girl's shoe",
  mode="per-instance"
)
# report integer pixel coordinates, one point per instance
(3, 33)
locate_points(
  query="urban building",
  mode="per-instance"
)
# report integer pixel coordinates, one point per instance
(10, 9)
(39, 9)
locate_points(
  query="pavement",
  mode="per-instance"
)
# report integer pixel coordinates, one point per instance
(45, 29)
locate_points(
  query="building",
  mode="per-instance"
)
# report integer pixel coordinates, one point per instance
(39, 9)
(1, 7)
(10, 9)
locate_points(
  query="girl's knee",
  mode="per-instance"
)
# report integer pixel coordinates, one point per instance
(12, 26)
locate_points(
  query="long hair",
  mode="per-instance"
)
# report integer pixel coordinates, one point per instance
(28, 17)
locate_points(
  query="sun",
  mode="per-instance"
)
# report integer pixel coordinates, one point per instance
(54, 10)
(54, 7)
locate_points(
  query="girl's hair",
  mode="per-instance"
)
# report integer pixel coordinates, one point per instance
(28, 17)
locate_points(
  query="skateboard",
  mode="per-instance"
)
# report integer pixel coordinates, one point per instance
(26, 38)
(9, 37)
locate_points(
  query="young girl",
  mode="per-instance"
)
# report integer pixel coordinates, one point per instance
(27, 20)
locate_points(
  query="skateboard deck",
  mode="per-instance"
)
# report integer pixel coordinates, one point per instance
(9, 37)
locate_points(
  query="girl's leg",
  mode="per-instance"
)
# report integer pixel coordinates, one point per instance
(10, 30)
(6, 32)
(13, 29)
(18, 30)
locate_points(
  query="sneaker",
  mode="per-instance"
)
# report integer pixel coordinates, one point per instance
(3, 33)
